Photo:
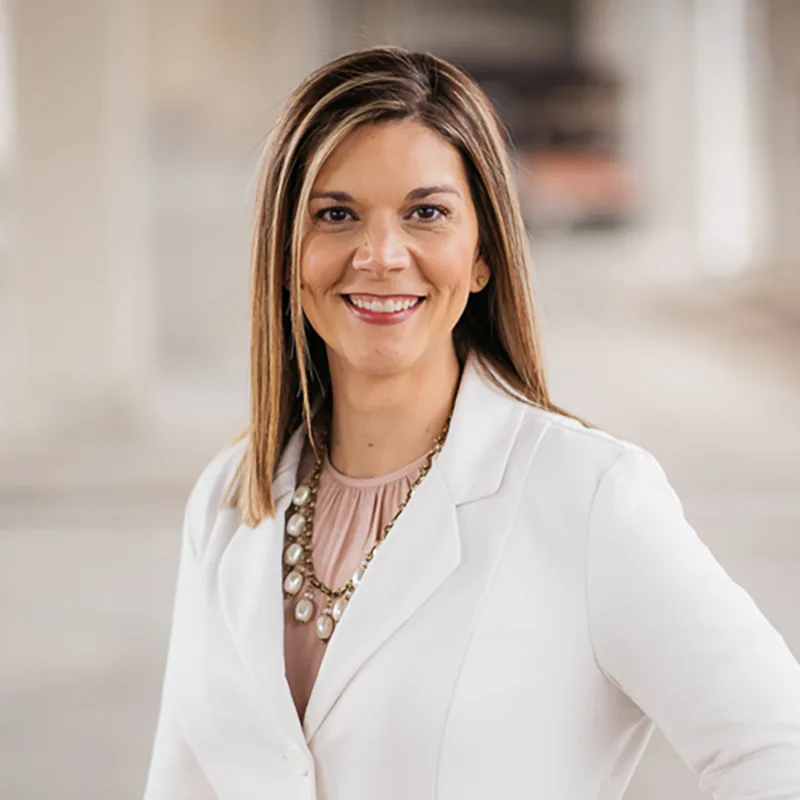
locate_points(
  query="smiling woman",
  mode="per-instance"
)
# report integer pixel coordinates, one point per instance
(414, 576)
(386, 181)
(400, 254)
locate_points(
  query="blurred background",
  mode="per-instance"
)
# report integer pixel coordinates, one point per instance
(658, 150)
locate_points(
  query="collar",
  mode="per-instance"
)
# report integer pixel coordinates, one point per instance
(485, 423)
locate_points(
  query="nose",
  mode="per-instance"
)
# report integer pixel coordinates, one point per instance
(382, 249)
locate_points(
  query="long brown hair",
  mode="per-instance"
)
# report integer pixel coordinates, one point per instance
(288, 362)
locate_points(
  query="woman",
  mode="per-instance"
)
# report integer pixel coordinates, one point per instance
(415, 577)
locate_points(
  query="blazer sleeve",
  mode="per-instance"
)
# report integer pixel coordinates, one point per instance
(175, 773)
(689, 646)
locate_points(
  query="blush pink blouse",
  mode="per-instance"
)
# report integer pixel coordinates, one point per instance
(349, 515)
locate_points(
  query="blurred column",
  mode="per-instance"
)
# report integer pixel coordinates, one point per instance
(729, 175)
(81, 277)
(648, 45)
(660, 145)
(782, 113)
(219, 73)
(606, 33)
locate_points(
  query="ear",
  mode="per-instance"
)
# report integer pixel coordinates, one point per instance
(480, 275)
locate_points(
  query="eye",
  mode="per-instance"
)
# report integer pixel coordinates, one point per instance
(429, 213)
(334, 214)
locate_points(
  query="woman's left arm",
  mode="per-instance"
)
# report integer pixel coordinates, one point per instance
(689, 646)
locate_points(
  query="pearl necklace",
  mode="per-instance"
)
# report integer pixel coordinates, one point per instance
(297, 556)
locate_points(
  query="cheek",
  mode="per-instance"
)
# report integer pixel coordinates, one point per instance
(449, 264)
(322, 263)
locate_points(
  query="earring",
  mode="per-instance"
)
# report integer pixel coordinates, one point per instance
(481, 281)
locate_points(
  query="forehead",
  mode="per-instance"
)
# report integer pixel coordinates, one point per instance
(402, 155)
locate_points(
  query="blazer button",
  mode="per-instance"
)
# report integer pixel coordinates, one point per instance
(297, 761)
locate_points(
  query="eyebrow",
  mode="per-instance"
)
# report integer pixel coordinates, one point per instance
(424, 191)
(419, 193)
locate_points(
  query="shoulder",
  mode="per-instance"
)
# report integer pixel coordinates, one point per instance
(573, 462)
(567, 443)
(206, 497)
(583, 485)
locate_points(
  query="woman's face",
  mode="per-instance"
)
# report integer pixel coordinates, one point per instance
(389, 253)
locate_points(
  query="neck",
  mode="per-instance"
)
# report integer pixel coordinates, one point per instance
(381, 423)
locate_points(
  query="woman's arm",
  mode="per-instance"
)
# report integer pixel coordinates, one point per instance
(674, 632)
(174, 771)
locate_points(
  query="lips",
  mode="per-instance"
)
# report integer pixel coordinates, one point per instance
(383, 309)
(383, 304)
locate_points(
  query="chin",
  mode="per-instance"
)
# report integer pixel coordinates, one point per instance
(382, 363)
(382, 367)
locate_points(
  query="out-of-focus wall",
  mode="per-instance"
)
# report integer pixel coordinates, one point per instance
(137, 132)
(148, 118)
(218, 74)
(138, 125)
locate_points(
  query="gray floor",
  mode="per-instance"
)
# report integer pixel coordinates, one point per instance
(86, 578)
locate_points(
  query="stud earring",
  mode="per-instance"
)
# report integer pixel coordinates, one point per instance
(481, 281)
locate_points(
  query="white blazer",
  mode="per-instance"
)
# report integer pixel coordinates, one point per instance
(540, 603)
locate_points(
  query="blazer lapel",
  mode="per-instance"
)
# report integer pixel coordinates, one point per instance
(251, 594)
(421, 551)
(418, 556)
(424, 547)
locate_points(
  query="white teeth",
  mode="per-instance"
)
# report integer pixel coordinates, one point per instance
(383, 306)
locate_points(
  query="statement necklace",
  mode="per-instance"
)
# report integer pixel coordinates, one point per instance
(298, 558)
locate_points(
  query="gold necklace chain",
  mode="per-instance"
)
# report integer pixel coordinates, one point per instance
(298, 554)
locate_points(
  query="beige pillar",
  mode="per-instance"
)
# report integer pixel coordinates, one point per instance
(781, 112)
(728, 166)
(659, 82)
(220, 72)
(82, 308)
(690, 74)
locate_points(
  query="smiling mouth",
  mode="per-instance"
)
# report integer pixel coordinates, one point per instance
(388, 304)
